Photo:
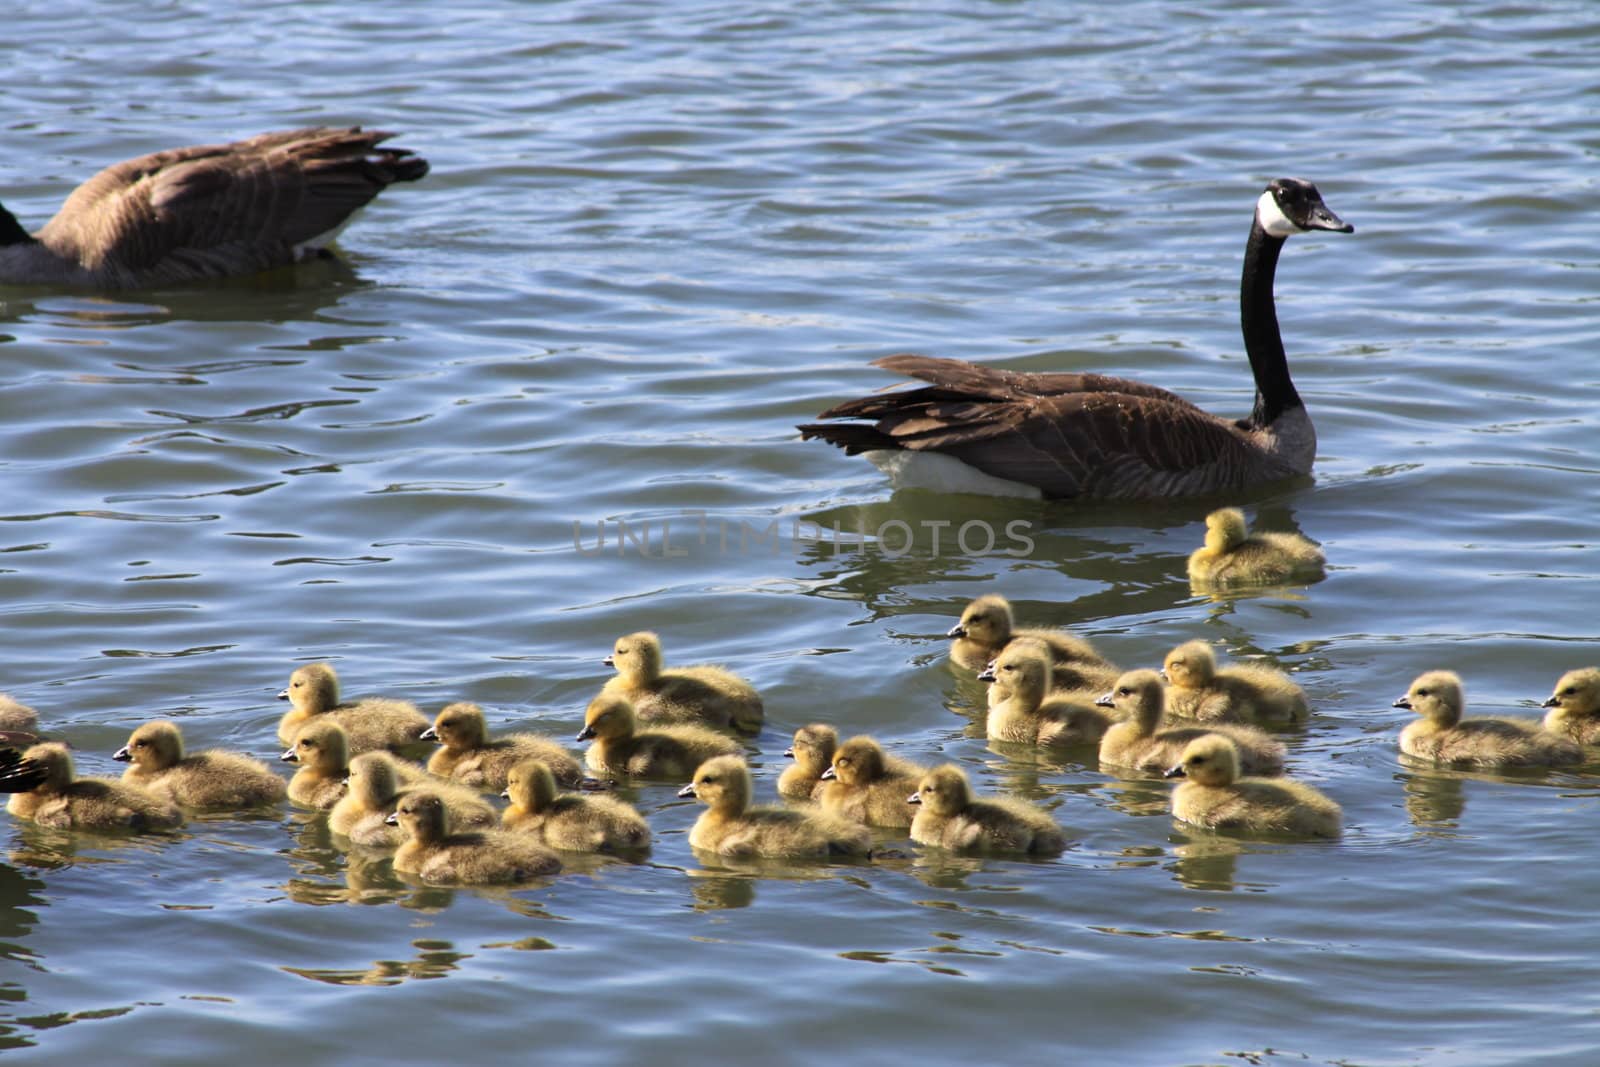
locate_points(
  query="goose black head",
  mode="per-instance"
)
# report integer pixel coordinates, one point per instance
(1294, 205)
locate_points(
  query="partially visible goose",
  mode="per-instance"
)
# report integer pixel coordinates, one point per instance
(1441, 735)
(1575, 706)
(976, 429)
(207, 211)
(1233, 555)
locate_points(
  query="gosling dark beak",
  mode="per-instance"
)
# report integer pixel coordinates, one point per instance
(789, 752)
(915, 798)
(1163, 673)
(290, 757)
(609, 661)
(505, 794)
(1105, 701)
(122, 755)
(987, 674)
(430, 734)
(585, 734)
(688, 791)
(345, 781)
(284, 695)
(827, 775)
(956, 631)
(1403, 702)
(393, 819)
(1551, 703)
(1175, 772)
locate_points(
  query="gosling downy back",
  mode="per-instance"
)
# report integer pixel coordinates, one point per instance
(370, 723)
(1239, 693)
(622, 745)
(949, 816)
(468, 755)
(214, 780)
(988, 626)
(1142, 742)
(730, 826)
(437, 854)
(207, 211)
(1233, 555)
(703, 695)
(1213, 795)
(569, 821)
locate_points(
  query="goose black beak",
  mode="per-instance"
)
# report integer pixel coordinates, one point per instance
(688, 791)
(1403, 702)
(283, 695)
(1324, 219)
(915, 798)
(1105, 701)
(1553, 702)
(1175, 772)
(956, 631)
(585, 734)
(987, 674)
(430, 734)
(827, 775)
(122, 755)
(289, 757)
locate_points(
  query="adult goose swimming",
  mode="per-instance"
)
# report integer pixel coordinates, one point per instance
(207, 211)
(976, 429)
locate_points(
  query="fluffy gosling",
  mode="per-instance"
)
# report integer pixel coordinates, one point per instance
(812, 752)
(64, 801)
(705, 696)
(436, 854)
(323, 753)
(213, 781)
(1240, 693)
(621, 747)
(1138, 741)
(866, 785)
(466, 754)
(987, 626)
(570, 821)
(1214, 796)
(1575, 706)
(374, 784)
(1441, 735)
(17, 718)
(369, 724)
(1031, 714)
(950, 817)
(1233, 556)
(730, 826)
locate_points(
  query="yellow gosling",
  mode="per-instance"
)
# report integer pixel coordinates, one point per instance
(323, 753)
(1441, 735)
(64, 801)
(570, 821)
(214, 780)
(704, 695)
(622, 747)
(1213, 795)
(16, 717)
(1575, 706)
(1033, 715)
(374, 784)
(987, 626)
(466, 754)
(1139, 742)
(812, 753)
(1240, 693)
(1231, 555)
(369, 724)
(866, 785)
(436, 854)
(730, 826)
(950, 817)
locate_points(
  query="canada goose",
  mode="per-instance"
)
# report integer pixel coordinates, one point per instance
(1441, 735)
(867, 785)
(569, 821)
(18, 775)
(987, 626)
(812, 753)
(64, 801)
(210, 780)
(622, 747)
(1242, 692)
(1031, 714)
(1231, 554)
(1139, 742)
(436, 854)
(708, 696)
(731, 827)
(208, 211)
(1575, 706)
(950, 817)
(1214, 796)
(369, 723)
(1090, 436)
(17, 718)
(467, 755)
(374, 784)
(323, 753)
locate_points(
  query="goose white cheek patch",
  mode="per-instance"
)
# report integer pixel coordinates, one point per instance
(1272, 218)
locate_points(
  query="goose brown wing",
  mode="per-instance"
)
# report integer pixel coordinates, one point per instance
(976, 380)
(1102, 445)
(254, 198)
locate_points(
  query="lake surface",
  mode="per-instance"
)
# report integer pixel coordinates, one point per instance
(656, 236)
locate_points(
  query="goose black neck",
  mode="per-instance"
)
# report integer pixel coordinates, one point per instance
(11, 231)
(1275, 392)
